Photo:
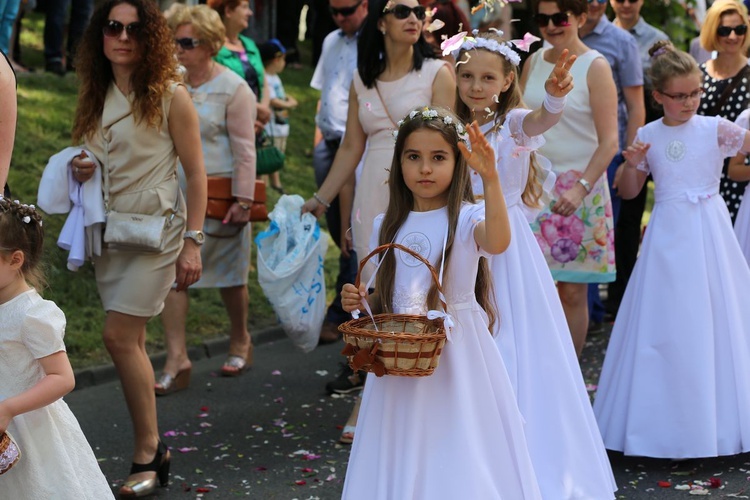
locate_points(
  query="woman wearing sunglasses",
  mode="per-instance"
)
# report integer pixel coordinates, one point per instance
(226, 111)
(575, 230)
(136, 120)
(396, 71)
(726, 79)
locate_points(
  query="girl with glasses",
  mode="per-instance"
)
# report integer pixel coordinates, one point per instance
(575, 230)
(676, 377)
(726, 79)
(137, 121)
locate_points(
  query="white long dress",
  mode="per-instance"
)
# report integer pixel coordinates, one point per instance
(742, 222)
(458, 432)
(56, 460)
(566, 448)
(676, 378)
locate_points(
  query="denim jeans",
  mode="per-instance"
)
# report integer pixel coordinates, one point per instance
(323, 155)
(54, 27)
(8, 13)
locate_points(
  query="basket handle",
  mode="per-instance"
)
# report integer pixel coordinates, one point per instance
(386, 246)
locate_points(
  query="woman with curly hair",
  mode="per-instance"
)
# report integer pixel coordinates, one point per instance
(136, 120)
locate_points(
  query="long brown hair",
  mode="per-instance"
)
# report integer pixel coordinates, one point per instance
(151, 78)
(507, 101)
(402, 202)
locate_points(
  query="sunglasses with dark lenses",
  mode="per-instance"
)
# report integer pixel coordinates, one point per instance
(187, 43)
(559, 19)
(598, 1)
(344, 11)
(723, 31)
(114, 29)
(629, 1)
(402, 12)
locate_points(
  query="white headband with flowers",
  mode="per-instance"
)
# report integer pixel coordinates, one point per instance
(461, 41)
(427, 114)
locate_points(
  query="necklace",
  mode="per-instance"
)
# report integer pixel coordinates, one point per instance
(197, 83)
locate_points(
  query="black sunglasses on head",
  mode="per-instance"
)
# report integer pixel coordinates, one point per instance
(723, 31)
(559, 19)
(344, 11)
(187, 43)
(402, 12)
(114, 29)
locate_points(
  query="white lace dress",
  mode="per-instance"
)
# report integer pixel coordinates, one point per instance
(56, 460)
(676, 378)
(534, 339)
(457, 433)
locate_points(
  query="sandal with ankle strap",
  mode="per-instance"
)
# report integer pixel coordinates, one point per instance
(159, 465)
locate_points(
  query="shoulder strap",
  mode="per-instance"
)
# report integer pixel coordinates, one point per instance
(736, 80)
(377, 91)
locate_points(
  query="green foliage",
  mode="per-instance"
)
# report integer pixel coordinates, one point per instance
(671, 17)
(46, 104)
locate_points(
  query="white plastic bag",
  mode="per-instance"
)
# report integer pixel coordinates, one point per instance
(290, 270)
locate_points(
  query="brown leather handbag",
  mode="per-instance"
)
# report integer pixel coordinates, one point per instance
(220, 199)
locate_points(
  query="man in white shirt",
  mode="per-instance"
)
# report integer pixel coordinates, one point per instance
(333, 77)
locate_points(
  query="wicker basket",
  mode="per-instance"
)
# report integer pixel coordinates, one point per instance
(9, 453)
(403, 345)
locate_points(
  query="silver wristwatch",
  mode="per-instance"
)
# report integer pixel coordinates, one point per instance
(197, 236)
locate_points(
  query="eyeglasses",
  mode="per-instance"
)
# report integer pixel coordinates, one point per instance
(559, 19)
(344, 11)
(682, 98)
(187, 43)
(598, 1)
(402, 12)
(114, 29)
(723, 31)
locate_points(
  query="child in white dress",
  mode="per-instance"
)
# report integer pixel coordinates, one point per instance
(457, 433)
(676, 377)
(56, 460)
(533, 335)
(740, 171)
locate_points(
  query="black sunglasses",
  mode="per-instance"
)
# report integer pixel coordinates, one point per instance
(723, 31)
(402, 12)
(344, 11)
(559, 19)
(187, 43)
(114, 29)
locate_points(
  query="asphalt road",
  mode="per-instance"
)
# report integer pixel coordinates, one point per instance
(272, 433)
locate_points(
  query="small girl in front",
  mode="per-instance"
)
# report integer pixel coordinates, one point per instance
(533, 335)
(457, 433)
(56, 460)
(676, 378)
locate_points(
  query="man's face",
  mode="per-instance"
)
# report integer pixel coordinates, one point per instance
(627, 11)
(596, 11)
(348, 14)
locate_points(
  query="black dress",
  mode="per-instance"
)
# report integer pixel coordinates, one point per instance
(736, 103)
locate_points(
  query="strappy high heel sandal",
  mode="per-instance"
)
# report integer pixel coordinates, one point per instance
(159, 465)
(167, 384)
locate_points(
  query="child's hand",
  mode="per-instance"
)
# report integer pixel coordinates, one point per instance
(481, 158)
(635, 153)
(560, 81)
(351, 298)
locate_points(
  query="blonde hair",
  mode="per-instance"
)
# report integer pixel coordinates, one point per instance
(507, 101)
(205, 21)
(720, 8)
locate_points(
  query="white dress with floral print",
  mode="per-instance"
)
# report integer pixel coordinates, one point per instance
(676, 378)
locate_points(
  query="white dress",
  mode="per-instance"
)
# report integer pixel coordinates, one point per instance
(742, 222)
(458, 432)
(56, 460)
(676, 378)
(534, 340)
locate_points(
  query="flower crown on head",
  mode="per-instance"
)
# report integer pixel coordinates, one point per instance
(428, 114)
(462, 41)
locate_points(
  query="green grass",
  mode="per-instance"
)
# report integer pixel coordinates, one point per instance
(46, 104)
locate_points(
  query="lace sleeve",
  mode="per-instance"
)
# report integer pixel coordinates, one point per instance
(744, 119)
(514, 122)
(731, 137)
(241, 109)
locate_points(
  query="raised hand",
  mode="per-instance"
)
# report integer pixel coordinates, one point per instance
(560, 81)
(481, 158)
(636, 153)
(351, 297)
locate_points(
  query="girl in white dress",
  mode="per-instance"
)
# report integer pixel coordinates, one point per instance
(457, 433)
(740, 171)
(533, 336)
(676, 378)
(56, 460)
